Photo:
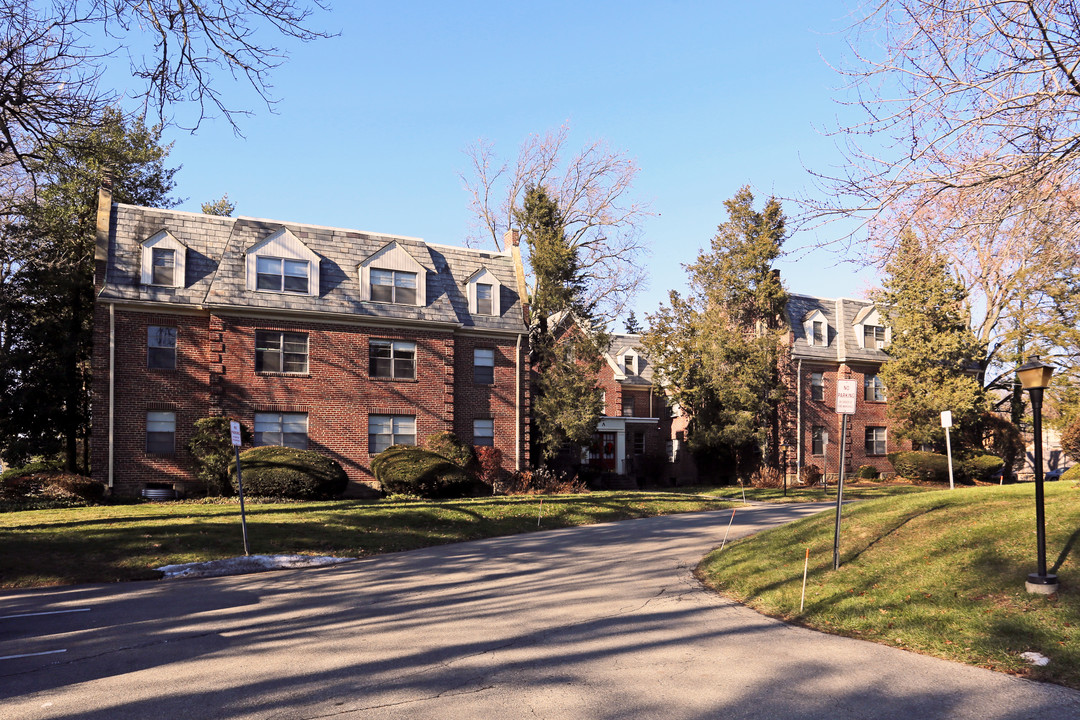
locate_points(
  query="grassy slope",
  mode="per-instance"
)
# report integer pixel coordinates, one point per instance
(941, 573)
(114, 543)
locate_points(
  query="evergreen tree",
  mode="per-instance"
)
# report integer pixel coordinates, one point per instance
(222, 207)
(633, 327)
(718, 350)
(565, 347)
(45, 357)
(933, 356)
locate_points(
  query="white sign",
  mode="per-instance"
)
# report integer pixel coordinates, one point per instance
(946, 419)
(234, 428)
(846, 392)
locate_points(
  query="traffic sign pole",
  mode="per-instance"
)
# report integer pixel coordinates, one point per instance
(234, 428)
(846, 393)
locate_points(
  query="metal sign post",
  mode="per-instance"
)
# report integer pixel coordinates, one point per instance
(946, 422)
(234, 428)
(846, 393)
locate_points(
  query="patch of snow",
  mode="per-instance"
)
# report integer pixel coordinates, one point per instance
(1035, 658)
(246, 564)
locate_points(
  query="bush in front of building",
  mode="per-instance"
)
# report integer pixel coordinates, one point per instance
(980, 468)
(489, 470)
(867, 472)
(450, 447)
(767, 477)
(38, 486)
(410, 470)
(211, 446)
(1072, 474)
(810, 475)
(919, 466)
(544, 481)
(281, 472)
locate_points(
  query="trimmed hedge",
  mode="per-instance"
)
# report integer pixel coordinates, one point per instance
(868, 472)
(410, 470)
(919, 466)
(275, 471)
(1072, 474)
(450, 447)
(980, 468)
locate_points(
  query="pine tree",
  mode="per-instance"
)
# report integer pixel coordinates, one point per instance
(933, 356)
(222, 207)
(567, 353)
(633, 327)
(45, 358)
(718, 350)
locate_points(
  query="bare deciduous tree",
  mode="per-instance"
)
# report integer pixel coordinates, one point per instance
(592, 189)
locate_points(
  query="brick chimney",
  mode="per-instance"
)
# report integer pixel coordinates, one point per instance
(511, 238)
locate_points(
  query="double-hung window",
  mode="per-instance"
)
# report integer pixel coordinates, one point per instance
(873, 336)
(819, 334)
(387, 430)
(393, 286)
(484, 299)
(282, 275)
(639, 443)
(628, 406)
(484, 432)
(281, 428)
(161, 347)
(285, 352)
(164, 266)
(161, 432)
(875, 441)
(817, 386)
(484, 366)
(819, 438)
(393, 359)
(874, 389)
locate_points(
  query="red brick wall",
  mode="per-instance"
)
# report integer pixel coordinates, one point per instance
(216, 375)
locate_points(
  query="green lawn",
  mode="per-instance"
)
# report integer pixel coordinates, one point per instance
(853, 490)
(126, 542)
(941, 573)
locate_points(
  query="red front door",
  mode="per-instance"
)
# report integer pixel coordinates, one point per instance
(602, 451)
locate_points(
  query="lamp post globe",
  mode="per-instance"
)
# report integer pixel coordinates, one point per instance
(1035, 376)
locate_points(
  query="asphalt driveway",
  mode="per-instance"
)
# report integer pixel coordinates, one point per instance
(596, 622)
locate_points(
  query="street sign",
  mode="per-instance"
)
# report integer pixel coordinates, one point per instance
(234, 428)
(846, 392)
(946, 418)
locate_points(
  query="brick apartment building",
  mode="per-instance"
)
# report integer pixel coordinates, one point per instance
(335, 340)
(833, 339)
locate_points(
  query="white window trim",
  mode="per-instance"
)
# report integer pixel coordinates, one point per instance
(483, 276)
(873, 317)
(283, 245)
(393, 256)
(490, 422)
(279, 418)
(163, 240)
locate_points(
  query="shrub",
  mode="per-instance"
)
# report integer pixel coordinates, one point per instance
(489, 469)
(1003, 439)
(979, 468)
(1072, 474)
(409, 470)
(450, 447)
(767, 477)
(275, 471)
(28, 488)
(543, 481)
(919, 466)
(810, 475)
(32, 468)
(867, 472)
(211, 446)
(1070, 439)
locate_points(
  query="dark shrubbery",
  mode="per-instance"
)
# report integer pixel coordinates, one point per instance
(489, 469)
(980, 468)
(31, 487)
(1070, 439)
(409, 470)
(544, 481)
(211, 446)
(919, 466)
(450, 447)
(867, 472)
(810, 475)
(275, 471)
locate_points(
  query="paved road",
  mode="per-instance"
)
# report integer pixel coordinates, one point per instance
(600, 622)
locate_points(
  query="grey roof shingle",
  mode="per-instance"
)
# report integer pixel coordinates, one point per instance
(840, 313)
(215, 269)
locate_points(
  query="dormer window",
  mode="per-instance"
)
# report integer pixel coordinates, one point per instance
(819, 333)
(282, 264)
(873, 337)
(163, 261)
(816, 327)
(484, 299)
(483, 290)
(393, 286)
(281, 275)
(630, 364)
(164, 264)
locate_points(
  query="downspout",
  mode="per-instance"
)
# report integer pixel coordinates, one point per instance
(798, 421)
(517, 407)
(112, 386)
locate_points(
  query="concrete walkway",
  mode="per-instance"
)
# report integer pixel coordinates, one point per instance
(597, 622)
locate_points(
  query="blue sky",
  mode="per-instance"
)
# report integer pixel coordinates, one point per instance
(370, 128)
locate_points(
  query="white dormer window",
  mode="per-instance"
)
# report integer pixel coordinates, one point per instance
(630, 363)
(483, 291)
(816, 327)
(870, 330)
(392, 275)
(282, 264)
(163, 261)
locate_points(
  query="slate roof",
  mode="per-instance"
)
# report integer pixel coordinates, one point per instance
(215, 276)
(841, 314)
(644, 376)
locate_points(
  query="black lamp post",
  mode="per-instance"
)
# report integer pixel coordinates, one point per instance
(1035, 377)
